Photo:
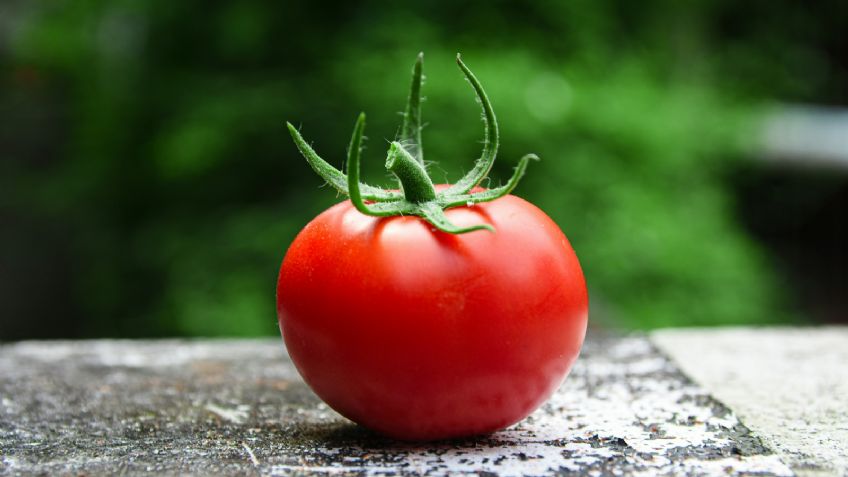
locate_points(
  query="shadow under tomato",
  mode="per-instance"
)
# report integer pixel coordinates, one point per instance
(346, 435)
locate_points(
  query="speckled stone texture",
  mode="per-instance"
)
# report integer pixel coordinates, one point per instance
(239, 407)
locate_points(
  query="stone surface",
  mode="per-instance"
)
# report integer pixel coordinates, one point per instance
(239, 407)
(789, 385)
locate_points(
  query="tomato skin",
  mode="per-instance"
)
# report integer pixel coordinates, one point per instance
(423, 335)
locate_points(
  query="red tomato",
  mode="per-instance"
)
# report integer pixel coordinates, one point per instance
(421, 334)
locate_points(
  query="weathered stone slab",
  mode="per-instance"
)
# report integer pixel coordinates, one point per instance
(790, 385)
(239, 407)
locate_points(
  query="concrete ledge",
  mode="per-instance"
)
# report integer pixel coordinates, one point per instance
(790, 385)
(238, 407)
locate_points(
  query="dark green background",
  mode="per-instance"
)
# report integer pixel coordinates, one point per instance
(149, 186)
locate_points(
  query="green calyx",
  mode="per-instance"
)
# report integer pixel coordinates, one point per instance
(405, 160)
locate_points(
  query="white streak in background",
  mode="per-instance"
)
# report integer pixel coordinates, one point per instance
(807, 136)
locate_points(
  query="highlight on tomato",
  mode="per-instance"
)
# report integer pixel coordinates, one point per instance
(431, 311)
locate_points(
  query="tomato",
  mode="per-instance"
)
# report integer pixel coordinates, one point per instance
(420, 334)
(432, 312)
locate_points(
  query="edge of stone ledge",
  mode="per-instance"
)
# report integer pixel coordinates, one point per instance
(746, 368)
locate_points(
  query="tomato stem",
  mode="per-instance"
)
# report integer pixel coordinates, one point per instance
(414, 181)
(405, 160)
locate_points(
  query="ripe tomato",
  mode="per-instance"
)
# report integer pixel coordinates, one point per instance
(421, 334)
(430, 312)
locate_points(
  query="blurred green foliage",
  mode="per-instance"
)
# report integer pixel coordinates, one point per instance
(148, 151)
